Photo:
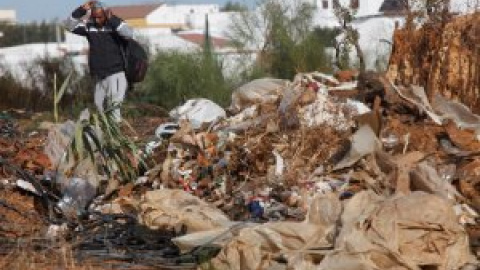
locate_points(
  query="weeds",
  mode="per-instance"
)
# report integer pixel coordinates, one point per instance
(57, 95)
(36, 92)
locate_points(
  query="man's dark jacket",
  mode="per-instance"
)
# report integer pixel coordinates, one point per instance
(105, 56)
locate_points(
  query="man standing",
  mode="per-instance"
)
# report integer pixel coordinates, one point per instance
(104, 32)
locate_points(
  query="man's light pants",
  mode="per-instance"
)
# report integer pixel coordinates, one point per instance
(109, 92)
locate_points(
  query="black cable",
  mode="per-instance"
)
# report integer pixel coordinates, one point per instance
(43, 194)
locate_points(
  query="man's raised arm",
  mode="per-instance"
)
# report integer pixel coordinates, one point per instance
(74, 23)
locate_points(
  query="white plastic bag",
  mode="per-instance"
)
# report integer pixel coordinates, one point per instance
(198, 112)
(59, 136)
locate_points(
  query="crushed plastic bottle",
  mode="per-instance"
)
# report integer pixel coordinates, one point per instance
(77, 194)
(447, 172)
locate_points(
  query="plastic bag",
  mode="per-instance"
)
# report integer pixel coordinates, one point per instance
(260, 91)
(59, 137)
(198, 112)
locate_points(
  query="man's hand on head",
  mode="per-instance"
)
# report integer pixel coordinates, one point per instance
(88, 5)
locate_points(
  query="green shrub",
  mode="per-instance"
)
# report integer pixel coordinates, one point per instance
(290, 57)
(174, 77)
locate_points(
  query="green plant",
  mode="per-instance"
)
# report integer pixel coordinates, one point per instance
(233, 6)
(57, 95)
(100, 138)
(34, 32)
(283, 32)
(174, 77)
(350, 36)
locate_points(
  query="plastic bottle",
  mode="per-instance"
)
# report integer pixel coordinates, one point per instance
(77, 194)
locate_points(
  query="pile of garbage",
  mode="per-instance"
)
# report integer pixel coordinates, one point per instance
(322, 172)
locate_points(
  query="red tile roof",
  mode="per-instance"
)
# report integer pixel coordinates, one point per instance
(134, 11)
(200, 40)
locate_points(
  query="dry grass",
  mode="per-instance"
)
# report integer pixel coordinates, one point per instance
(30, 255)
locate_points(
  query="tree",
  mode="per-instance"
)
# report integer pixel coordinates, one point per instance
(282, 32)
(232, 6)
(350, 37)
(16, 34)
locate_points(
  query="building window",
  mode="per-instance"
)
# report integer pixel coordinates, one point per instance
(325, 4)
(354, 4)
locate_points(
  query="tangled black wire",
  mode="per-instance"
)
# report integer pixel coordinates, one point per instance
(7, 128)
(114, 237)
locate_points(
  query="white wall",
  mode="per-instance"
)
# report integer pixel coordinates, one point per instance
(171, 42)
(233, 62)
(8, 15)
(149, 33)
(366, 7)
(218, 22)
(19, 59)
(464, 6)
(376, 37)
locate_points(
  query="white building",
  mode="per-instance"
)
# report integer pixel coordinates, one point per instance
(179, 15)
(8, 16)
(464, 6)
(362, 7)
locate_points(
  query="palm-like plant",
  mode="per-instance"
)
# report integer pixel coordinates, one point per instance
(100, 138)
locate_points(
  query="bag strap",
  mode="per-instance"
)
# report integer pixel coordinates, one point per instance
(119, 40)
(122, 46)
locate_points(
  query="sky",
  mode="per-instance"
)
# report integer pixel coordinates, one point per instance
(37, 10)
